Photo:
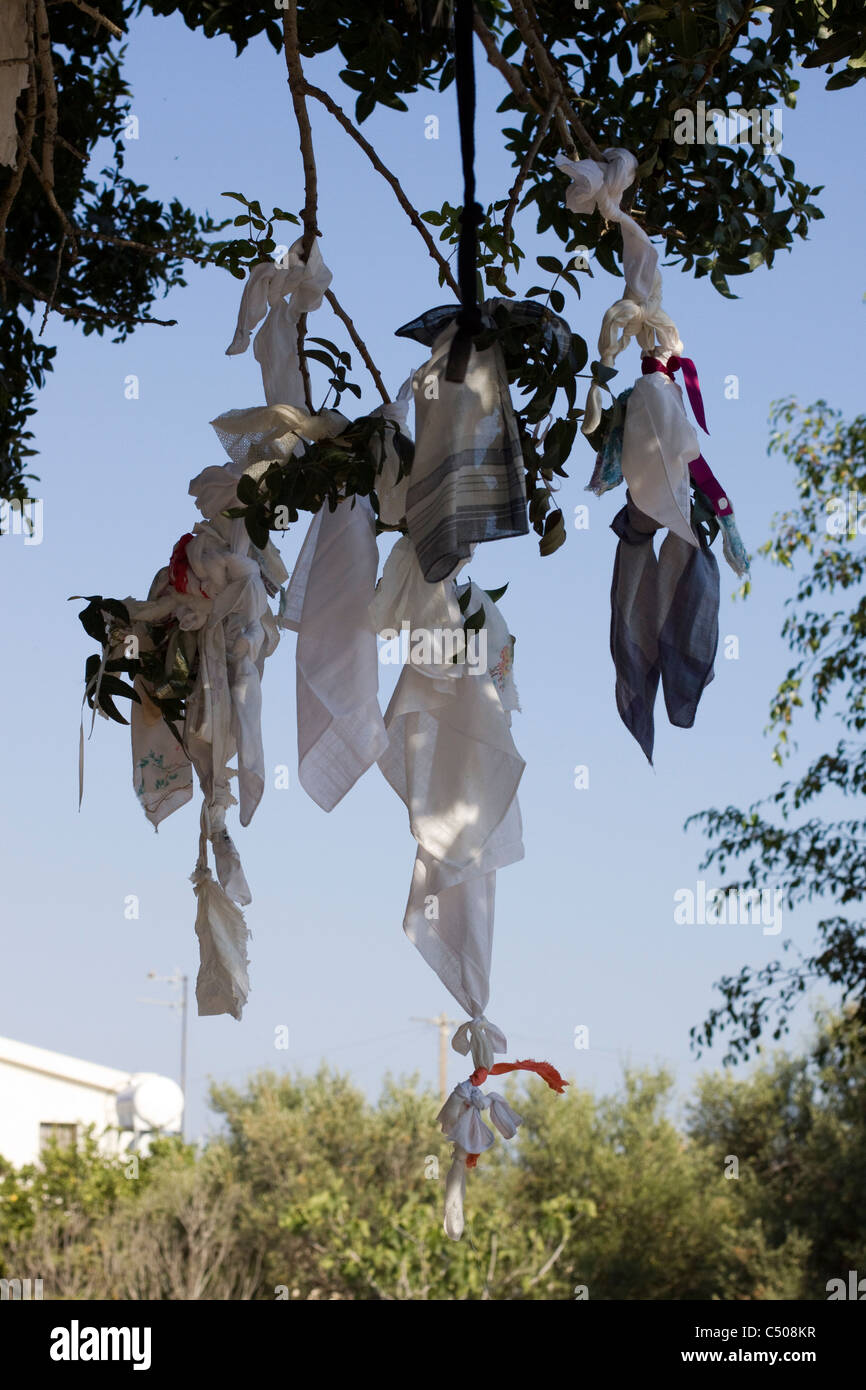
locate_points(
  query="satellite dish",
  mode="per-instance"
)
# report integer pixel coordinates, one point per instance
(150, 1102)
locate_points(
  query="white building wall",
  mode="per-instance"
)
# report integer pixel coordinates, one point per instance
(41, 1087)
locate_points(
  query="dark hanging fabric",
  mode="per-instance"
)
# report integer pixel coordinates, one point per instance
(664, 623)
(521, 313)
(469, 321)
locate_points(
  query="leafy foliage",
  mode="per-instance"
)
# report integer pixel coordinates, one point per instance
(311, 1192)
(96, 248)
(627, 69)
(813, 858)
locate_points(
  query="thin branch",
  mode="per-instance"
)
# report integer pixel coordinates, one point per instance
(93, 14)
(67, 227)
(72, 150)
(527, 23)
(498, 60)
(49, 91)
(311, 183)
(302, 362)
(728, 44)
(50, 300)
(144, 247)
(548, 1264)
(351, 129)
(525, 167)
(297, 88)
(69, 311)
(45, 172)
(359, 344)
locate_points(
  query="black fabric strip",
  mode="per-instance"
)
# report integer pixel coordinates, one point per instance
(469, 315)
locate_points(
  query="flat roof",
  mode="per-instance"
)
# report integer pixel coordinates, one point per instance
(39, 1059)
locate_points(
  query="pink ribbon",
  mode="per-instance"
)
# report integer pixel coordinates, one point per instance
(710, 486)
(690, 377)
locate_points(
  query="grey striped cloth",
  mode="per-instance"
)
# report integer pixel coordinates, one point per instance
(468, 481)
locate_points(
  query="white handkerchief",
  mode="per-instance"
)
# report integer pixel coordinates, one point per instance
(340, 727)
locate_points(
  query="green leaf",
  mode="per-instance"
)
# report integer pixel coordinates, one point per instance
(496, 594)
(554, 533)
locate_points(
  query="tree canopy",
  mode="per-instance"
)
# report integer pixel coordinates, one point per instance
(786, 839)
(96, 249)
(312, 1192)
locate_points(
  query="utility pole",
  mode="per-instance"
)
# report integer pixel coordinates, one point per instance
(443, 1024)
(181, 981)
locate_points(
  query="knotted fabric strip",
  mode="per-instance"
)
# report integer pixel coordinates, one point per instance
(601, 186)
(483, 1037)
(276, 343)
(690, 377)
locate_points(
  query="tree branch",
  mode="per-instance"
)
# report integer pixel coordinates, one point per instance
(527, 22)
(45, 172)
(498, 60)
(351, 129)
(81, 311)
(311, 182)
(93, 14)
(359, 344)
(297, 89)
(525, 167)
(725, 47)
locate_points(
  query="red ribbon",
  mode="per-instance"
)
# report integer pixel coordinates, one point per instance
(547, 1073)
(710, 486)
(545, 1070)
(690, 377)
(178, 566)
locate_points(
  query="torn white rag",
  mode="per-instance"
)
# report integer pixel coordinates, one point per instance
(601, 186)
(658, 444)
(161, 770)
(340, 727)
(391, 490)
(276, 343)
(451, 759)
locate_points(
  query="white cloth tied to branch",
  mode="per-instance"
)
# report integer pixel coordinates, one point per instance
(224, 619)
(340, 727)
(658, 444)
(483, 1037)
(468, 482)
(276, 343)
(601, 186)
(452, 760)
(460, 1117)
(223, 983)
(653, 329)
(391, 490)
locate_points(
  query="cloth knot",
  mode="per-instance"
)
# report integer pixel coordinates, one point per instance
(690, 377)
(601, 186)
(460, 1118)
(484, 1039)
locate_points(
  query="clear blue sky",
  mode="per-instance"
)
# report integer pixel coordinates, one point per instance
(585, 928)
